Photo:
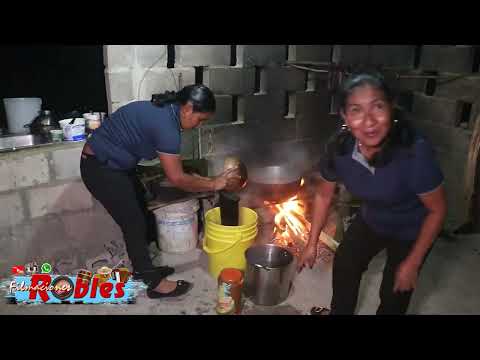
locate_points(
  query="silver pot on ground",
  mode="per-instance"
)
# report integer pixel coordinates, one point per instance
(269, 274)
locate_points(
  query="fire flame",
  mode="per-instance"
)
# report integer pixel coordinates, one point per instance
(291, 226)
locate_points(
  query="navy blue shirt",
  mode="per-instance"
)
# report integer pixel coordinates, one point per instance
(136, 131)
(389, 194)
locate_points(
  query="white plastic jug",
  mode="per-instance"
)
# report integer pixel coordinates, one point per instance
(20, 112)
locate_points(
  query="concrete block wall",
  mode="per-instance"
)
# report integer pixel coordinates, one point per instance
(442, 116)
(447, 58)
(439, 111)
(47, 213)
(254, 88)
(259, 96)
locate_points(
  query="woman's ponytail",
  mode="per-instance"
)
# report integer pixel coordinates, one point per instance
(168, 97)
(200, 96)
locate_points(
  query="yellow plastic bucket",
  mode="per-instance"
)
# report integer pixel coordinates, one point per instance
(226, 245)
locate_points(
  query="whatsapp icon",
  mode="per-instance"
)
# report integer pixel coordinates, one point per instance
(46, 268)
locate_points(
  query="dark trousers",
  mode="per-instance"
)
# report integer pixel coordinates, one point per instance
(122, 195)
(355, 252)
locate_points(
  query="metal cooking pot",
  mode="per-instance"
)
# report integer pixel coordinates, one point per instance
(276, 183)
(235, 185)
(269, 274)
(43, 123)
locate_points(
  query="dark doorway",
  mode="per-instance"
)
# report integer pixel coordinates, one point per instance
(66, 77)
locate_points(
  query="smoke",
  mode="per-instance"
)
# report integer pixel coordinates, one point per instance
(256, 146)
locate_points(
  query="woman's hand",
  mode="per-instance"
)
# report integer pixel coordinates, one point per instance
(307, 257)
(224, 179)
(406, 277)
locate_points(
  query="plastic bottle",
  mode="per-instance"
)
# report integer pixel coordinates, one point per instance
(229, 294)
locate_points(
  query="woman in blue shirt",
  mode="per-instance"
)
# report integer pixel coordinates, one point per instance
(146, 130)
(392, 169)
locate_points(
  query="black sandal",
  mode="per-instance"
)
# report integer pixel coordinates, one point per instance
(182, 288)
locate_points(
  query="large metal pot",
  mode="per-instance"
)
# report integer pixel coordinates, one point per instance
(276, 183)
(269, 274)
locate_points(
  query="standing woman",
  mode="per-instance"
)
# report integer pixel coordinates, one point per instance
(146, 130)
(392, 169)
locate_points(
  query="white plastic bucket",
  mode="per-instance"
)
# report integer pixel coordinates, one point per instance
(75, 131)
(20, 112)
(177, 226)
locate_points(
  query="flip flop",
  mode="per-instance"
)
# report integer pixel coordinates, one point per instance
(182, 288)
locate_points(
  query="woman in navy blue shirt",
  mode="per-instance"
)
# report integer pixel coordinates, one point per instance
(146, 130)
(392, 169)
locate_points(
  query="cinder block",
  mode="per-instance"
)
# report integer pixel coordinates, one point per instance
(189, 147)
(318, 130)
(313, 53)
(90, 230)
(404, 84)
(455, 164)
(466, 89)
(119, 86)
(258, 108)
(12, 210)
(317, 82)
(285, 130)
(229, 80)
(56, 199)
(158, 81)
(445, 138)
(312, 115)
(402, 56)
(7, 180)
(47, 238)
(457, 205)
(66, 163)
(202, 55)
(354, 54)
(435, 109)
(15, 241)
(285, 78)
(223, 140)
(118, 56)
(447, 58)
(151, 55)
(261, 55)
(311, 104)
(117, 105)
(30, 171)
(224, 111)
(265, 117)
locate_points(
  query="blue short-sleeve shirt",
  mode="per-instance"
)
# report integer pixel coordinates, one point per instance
(390, 195)
(136, 131)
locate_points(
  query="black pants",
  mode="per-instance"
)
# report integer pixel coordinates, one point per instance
(122, 195)
(355, 252)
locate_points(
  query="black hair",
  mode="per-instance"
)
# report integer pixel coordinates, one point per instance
(200, 96)
(400, 135)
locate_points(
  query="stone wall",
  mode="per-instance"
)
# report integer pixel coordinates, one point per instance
(47, 213)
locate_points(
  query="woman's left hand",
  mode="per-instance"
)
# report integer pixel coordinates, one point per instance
(406, 277)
